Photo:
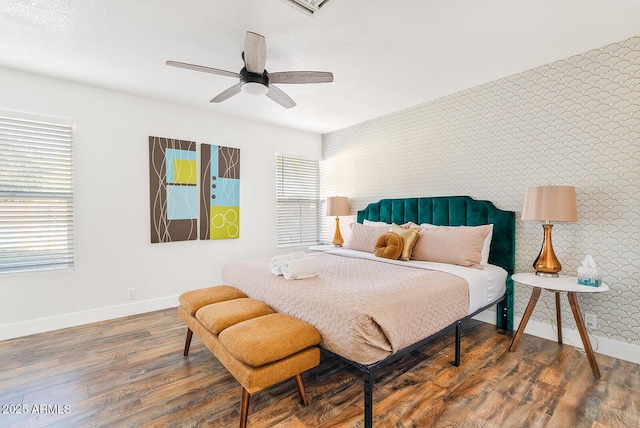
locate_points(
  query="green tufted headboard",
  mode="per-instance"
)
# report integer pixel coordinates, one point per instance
(458, 211)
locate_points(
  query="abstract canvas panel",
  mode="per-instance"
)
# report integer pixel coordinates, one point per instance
(220, 192)
(173, 189)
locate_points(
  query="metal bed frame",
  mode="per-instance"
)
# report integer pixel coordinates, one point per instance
(369, 370)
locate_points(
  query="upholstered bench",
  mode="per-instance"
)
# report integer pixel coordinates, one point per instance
(257, 345)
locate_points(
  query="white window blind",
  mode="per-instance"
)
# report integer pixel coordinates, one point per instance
(36, 195)
(298, 196)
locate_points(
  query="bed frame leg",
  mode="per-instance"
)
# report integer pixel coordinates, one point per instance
(368, 399)
(504, 309)
(457, 358)
(503, 317)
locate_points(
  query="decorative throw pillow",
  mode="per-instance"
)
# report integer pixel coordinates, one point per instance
(389, 246)
(459, 245)
(410, 224)
(363, 238)
(486, 246)
(409, 238)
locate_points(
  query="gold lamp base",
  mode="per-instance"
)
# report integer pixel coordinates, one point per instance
(337, 237)
(547, 263)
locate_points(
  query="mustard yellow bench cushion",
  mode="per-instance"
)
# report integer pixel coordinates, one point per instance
(193, 300)
(219, 316)
(268, 338)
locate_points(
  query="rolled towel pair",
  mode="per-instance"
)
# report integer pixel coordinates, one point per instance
(306, 267)
(277, 261)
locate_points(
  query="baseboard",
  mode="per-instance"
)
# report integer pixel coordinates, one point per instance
(41, 325)
(601, 345)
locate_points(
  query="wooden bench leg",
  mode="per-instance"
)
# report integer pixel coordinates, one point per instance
(244, 403)
(187, 343)
(244, 408)
(303, 393)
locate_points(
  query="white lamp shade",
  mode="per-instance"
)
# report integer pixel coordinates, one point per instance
(337, 206)
(550, 203)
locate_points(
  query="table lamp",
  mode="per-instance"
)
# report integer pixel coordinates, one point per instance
(337, 206)
(549, 204)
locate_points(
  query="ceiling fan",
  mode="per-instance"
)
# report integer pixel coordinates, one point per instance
(254, 79)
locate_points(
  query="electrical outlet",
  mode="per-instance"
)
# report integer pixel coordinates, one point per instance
(131, 293)
(591, 321)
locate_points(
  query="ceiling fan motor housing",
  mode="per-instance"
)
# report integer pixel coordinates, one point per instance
(254, 83)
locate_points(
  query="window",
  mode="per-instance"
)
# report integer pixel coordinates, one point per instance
(298, 197)
(36, 195)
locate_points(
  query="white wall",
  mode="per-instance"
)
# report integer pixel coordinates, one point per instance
(113, 249)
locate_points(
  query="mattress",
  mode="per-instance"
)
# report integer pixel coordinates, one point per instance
(367, 308)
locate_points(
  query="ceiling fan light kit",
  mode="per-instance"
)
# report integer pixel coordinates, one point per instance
(253, 77)
(254, 88)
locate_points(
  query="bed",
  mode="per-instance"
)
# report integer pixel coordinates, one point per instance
(372, 311)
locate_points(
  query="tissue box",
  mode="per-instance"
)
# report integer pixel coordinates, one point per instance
(589, 276)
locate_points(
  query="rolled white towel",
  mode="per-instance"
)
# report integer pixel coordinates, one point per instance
(277, 261)
(302, 268)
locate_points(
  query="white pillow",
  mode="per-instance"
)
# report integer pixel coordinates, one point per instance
(375, 223)
(486, 247)
(428, 225)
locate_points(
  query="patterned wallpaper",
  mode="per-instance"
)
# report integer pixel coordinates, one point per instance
(573, 122)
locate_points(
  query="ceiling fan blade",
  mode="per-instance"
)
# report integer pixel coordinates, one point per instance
(228, 93)
(280, 97)
(255, 52)
(301, 77)
(202, 68)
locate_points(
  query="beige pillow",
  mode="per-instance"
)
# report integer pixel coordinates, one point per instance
(363, 238)
(409, 238)
(460, 245)
(486, 246)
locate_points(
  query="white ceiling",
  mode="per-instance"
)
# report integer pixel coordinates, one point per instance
(385, 55)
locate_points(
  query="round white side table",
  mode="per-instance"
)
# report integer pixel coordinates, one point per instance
(562, 284)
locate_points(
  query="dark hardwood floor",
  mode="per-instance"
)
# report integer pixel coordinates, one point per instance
(130, 372)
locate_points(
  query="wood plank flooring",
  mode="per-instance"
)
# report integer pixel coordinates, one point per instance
(130, 372)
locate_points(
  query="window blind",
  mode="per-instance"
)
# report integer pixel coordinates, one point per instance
(298, 199)
(36, 195)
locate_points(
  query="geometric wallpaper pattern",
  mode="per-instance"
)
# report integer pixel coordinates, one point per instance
(572, 122)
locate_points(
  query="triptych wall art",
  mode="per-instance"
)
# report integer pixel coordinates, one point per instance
(175, 191)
